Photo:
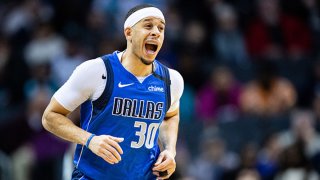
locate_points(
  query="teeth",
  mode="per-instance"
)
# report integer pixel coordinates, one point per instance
(151, 42)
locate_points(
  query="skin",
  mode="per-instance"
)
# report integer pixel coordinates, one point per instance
(137, 60)
(168, 139)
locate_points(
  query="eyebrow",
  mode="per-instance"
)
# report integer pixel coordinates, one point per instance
(150, 19)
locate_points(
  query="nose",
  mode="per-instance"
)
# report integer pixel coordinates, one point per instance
(155, 31)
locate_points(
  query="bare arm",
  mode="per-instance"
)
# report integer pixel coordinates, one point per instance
(169, 132)
(168, 139)
(54, 120)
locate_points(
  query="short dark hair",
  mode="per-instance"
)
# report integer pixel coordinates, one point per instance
(136, 8)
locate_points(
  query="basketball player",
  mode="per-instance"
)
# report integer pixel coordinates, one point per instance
(129, 105)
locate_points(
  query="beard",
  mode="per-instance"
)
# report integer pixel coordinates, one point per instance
(146, 62)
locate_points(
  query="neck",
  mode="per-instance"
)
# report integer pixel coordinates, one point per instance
(134, 64)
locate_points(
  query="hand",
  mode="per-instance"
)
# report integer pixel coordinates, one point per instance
(165, 165)
(107, 147)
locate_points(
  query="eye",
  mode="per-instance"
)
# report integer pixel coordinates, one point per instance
(161, 28)
(148, 26)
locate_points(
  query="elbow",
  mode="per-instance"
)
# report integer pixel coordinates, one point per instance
(45, 120)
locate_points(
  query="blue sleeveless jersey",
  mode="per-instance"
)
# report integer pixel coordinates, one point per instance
(128, 109)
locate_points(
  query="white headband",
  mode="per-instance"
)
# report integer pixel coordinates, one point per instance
(142, 13)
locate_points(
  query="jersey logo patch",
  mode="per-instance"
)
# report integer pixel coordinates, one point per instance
(124, 85)
(155, 89)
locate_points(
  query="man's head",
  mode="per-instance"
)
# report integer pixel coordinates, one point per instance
(144, 30)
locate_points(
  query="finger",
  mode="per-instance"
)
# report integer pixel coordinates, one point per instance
(166, 167)
(103, 155)
(162, 166)
(159, 160)
(117, 139)
(115, 145)
(114, 152)
(109, 155)
(161, 178)
(106, 158)
(156, 173)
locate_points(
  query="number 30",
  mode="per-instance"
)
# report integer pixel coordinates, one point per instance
(146, 134)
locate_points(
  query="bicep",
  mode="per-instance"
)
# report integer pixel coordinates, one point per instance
(55, 107)
(176, 89)
(82, 85)
(53, 112)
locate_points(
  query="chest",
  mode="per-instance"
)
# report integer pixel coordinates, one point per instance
(131, 98)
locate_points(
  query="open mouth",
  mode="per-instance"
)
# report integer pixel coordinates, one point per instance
(151, 48)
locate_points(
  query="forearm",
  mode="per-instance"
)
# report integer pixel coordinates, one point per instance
(169, 133)
(58, 124)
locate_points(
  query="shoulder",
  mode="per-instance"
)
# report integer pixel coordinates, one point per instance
(175, 77)
(86, 82)
(90, 69)
(177, 84)
(91, 65)
(176, 89)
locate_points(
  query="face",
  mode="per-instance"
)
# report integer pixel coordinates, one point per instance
(146, 38)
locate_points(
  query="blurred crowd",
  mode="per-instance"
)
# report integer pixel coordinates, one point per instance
(251, 103)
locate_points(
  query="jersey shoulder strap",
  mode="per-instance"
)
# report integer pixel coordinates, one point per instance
(166, 79)
(101, 102)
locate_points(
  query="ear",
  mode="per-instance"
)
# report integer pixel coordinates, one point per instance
(128, 33)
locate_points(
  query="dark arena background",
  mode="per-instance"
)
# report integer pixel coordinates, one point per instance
(251, 68)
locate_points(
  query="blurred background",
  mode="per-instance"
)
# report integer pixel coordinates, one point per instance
(251, 103)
